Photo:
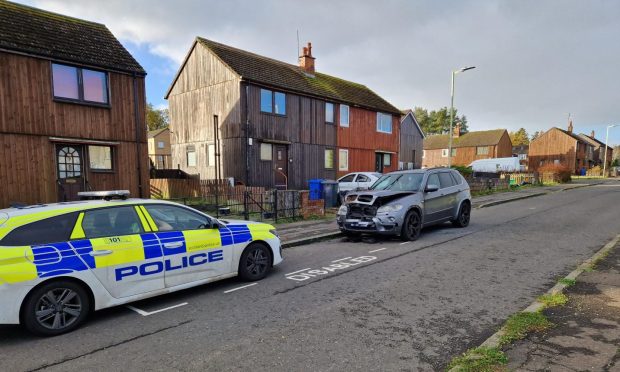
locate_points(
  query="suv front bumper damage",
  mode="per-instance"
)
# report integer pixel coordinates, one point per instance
(381, 225)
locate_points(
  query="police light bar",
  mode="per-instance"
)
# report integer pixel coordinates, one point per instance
(105, 195)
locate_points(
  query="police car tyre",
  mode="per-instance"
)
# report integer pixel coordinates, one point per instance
(412, 225)
(55, 308)
(462, 219)
(255, 262)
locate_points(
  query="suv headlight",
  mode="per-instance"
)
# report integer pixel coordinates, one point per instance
(390, 208)
(342, 211)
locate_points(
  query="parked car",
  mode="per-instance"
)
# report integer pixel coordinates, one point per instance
(356, 181)
(402, 203)
(60, 261)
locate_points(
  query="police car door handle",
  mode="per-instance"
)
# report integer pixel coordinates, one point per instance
(101, 253)
(173, 245)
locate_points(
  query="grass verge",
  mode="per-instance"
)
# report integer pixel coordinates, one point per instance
(480, 359)
(567, 282)
(520, 324)
(552, 300)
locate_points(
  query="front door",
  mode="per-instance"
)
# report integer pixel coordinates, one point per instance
(281, 171)
(379, 162)
(69, 171)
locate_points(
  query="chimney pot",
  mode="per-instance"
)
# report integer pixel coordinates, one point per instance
(306, 61)
(457, 131)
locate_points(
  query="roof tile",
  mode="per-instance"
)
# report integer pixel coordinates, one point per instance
(469, 139)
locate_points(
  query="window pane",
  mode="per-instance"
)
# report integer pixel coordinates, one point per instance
(347, 178)
(433, 179)
(95, 86)
(65, 81)
(111, 222)
(280, 103)
(49, 230)
(343, 160)
(384, 123)
(160, 145)
(329, 112)
(445, 180)
(170, 217)
(329, 159)
(100, 157)
(362, 178)
(387, 160)
(265, 100)
(191, 158)
(344, 115)
(265, 151)
(210, 155)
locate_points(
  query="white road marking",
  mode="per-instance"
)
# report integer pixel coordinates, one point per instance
(403, 243)
(532, 208)
(147, 313)
(306, 274)
(342, 259)
(298, 271)
(377, 250)
(238, 288)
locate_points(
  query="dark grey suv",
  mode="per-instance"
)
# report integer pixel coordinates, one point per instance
(401, 203)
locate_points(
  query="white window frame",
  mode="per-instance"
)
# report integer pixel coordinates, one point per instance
(423, 154)
(210, 155)
(265, 145)
(333, 113)
(343, 124)
(388, 156)
(189, 151)
(479, 152)
(340, 165)
(444, 153)
(388, 118)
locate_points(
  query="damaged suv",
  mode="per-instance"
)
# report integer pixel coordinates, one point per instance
(401, 203)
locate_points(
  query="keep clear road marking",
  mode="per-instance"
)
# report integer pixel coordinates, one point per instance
(342, 259)
(238, 288)
(376, 250)
(147, 313)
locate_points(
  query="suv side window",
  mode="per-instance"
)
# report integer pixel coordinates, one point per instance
(457, 178)
(433, 179)
(113, 221)
(445, 180)
(50, 230)
(173, 218)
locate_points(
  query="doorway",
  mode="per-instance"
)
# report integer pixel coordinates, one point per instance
(281, 171)
(69, 171)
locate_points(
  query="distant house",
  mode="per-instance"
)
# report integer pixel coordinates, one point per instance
(561, 147)
(72, 109)
(411, 142)
(263, 122)
(466, 147)
(521, 152)
(598, 150)
(159, 148)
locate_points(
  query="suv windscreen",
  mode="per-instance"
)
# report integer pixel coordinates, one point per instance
(399, 182)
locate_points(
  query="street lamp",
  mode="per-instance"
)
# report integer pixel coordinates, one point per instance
(607, 140)
(452, 112)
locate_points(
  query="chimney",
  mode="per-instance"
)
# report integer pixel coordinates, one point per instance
(570, 125)
(457, 131)
(306, 61)
(592, 134)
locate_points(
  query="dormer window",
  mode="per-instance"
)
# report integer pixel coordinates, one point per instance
(75, 84)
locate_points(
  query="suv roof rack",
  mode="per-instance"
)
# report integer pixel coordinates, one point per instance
(105, 195)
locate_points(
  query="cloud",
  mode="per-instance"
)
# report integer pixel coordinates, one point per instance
(536, 60)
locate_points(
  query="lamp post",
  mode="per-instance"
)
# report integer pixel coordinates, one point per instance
(605, 157)
(452, 112)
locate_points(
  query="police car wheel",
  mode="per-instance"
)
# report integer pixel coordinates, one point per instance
(55, 308)
(255, 262)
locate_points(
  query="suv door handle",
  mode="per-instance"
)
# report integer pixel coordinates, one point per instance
(101, 253)
(173, 245)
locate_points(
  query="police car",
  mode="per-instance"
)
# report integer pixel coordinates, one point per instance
(60, 261)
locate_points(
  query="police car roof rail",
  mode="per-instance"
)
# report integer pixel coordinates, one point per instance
(105, 195)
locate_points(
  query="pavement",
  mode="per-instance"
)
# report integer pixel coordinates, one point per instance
(586, 331)
(304, 232)
(338, 305)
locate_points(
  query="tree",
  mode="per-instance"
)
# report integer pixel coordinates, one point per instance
(520, 137)
(536, 134)
(438, 121)
(156, 118)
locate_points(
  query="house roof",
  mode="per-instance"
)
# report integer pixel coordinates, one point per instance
(591, 140)
(33, 31)
(469, 139)
(569, 134)
(156, 132)
(270, 72)
(409, 112)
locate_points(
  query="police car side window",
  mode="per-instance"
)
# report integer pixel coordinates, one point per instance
(114, 221)
(173, 218)
(50, 230)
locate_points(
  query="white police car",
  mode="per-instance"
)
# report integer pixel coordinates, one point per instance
(60, 261)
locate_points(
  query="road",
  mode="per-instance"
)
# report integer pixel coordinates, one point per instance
(378, 305)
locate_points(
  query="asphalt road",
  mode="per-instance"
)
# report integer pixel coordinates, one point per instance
(382, 305)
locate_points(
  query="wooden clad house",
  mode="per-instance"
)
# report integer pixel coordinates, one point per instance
(159, 148)
(72, 109)
(466, 147)
(411, 142)
(560, 147)
(598, 150)
(263, 122)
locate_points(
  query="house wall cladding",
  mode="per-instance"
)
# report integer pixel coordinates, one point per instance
(410, 140)
(29, 117)
(552, 145)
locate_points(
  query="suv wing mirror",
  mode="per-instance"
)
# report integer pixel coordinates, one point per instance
(431, 188)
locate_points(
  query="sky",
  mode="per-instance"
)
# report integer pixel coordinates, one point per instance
(537, 61)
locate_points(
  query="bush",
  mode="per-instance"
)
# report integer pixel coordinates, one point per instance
(555, 173)
(465, 171)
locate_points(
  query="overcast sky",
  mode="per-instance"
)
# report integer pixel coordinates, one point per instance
(536, 60)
